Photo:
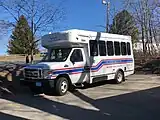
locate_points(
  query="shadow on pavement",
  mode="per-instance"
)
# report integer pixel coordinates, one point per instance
(4, 116)
(10, 75)
(141, 105)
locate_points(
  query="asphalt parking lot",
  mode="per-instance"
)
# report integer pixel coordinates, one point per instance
(136, 99)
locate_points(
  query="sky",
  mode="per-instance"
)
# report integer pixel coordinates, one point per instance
(80, 14)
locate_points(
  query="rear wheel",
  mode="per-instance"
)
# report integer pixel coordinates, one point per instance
(62, 86)
(119, 78)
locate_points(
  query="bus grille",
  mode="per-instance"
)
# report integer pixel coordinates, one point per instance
(33, 73)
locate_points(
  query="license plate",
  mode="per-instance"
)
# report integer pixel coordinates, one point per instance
(38, 84)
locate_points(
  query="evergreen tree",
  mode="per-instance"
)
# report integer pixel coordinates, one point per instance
(123, 24)
(21, 39)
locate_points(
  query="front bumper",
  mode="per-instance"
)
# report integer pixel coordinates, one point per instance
(39, 83)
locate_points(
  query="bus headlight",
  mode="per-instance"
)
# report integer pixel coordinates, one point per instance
(47, 74)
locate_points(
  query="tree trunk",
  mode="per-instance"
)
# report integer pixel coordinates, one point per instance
(32, 28)
(32, 57)
(151, 36)
(143, 42)
(27, 59)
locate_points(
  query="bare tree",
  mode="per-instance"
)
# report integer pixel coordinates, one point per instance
(147, 18)
(43, 16)
(4, 26)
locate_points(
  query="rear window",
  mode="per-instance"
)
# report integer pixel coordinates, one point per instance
(128, 48)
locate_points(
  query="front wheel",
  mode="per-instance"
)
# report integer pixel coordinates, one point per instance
(62, 86)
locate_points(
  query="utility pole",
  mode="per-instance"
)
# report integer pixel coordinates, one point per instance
(108, 9)
(107, 17)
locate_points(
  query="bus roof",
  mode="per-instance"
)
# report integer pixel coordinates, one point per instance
(78, 36)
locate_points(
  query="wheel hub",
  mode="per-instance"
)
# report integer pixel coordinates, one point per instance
(119, 77)
(64, 86)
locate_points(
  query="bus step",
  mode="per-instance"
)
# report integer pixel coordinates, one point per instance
(98, 79)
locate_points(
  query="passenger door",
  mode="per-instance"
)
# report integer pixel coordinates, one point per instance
(79, 72)
(97, 57)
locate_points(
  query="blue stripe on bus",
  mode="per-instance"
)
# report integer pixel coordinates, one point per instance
(69, 71)
(96, 68)
(109, 62)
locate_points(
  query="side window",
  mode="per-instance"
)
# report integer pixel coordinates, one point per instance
(77, 56)
(102, 48)
(110, 49)
(117, 48)
(123, 48)
(128, 48)
(93, 48)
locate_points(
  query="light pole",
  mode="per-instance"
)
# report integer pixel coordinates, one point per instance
(107, 9)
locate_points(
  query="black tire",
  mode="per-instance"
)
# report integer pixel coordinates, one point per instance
(119, 78)
(62, 81)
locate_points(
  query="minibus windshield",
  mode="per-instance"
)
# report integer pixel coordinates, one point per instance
(57, 55)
